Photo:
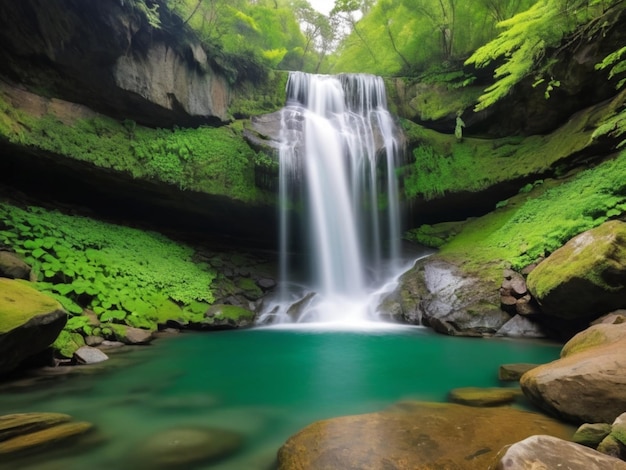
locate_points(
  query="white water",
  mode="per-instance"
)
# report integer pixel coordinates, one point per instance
(339, 151)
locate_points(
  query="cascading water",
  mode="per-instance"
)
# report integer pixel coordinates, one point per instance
(338, 198)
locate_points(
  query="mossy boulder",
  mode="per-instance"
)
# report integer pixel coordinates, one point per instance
(588, 383)
(586, 277)
(29, 322)
(414, 435)
(440, 294)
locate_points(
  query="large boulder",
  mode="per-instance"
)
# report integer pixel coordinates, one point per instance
(588, 382)
(29, 322)
(586, 277)
(439, 294)
(414, 435)
(544, 452)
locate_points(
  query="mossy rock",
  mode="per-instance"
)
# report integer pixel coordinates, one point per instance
(44, 437)
(591, 434)
(221, 316)
(477, 396)
(67, 343)
(30, 321)
(586, 277)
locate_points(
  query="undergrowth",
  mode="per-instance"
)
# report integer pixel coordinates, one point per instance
(124, 275)
(206, 159)
(538, 220)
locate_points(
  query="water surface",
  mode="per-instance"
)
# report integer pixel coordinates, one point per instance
(264, 383)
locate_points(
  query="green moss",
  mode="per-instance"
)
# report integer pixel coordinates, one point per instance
(207, 159)
(534, 224)
(19, 302)
(230, 312)
(588, 339)
(124, 275)
(67, 343)
(442, 165)
(251, 99)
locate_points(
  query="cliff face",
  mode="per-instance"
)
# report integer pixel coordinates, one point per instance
(106, 55)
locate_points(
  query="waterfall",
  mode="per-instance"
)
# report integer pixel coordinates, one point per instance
(339, 202)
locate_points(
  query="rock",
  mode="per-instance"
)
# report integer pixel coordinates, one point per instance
(44, 437)
(591, 434)
(513, 372)
(612, 447)
(106, 344)
(547, 452)
(413, 435)
(520, 326)
(23, 423)
(185, 447)
(266, 283)
(130, 335)
(588, 383)
(586, 277)
(89, 355)
(29, 322)
(476, 396)
(439, 294)
(615, 318)
(12, 266)
(93, 340)
(220, 316)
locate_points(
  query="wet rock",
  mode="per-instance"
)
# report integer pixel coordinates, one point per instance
(513, 372)
(266, 284)
(185, 447)
(23, 423)
(476, 396)
(29, 322)
(89, 355)
(414, 435)
(12, 266)
(586, 277)
(220, 316)
(591, 434)
(547, 452)
(588, 383)
(130, 335)
(43, 438)
(520, 326)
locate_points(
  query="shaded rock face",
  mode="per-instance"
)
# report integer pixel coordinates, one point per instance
(106, 55)
(438, 294)
(586, 277)
(29, 322)
(588, 383)
(550, 452)
(413, 435)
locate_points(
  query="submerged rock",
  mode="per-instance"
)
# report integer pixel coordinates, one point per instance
(588, 383)
(29, 322)
(186, 446)
(414, 435)
(477, 396)
(586, 277)
(547, 452)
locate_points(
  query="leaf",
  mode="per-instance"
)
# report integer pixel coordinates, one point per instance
(38, 253)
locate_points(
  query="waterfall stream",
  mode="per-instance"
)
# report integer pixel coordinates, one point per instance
(339, 202)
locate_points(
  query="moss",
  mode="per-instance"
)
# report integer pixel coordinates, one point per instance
(207, 159)
(534, 224)
(67, 343)
(253, 99)
(19, 302)
(586, 340)
(230, 312)
(442, 165)
(249, 288)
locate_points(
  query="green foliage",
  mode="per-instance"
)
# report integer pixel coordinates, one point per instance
(527, 37)
(123, 275)
(207, 159)
(617, 64)
(534, 224)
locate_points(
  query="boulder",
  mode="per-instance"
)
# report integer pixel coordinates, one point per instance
(12, 266)
(29, 322)
(548, 452)
(591, 434)
(439, 294)
(131, 335)
(89, 355)
(413, 435)
(586, 277)
(185, 447)
(588, 382)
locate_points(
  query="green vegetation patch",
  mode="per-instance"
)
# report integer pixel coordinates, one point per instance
(20, 302)
(207, 159)
(535, 223)
(123, 275)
